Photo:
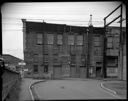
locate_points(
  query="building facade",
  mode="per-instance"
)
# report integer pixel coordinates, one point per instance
(67, 51)
(113, 52)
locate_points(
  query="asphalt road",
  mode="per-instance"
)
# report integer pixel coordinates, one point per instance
(72, 89)
(24, 89)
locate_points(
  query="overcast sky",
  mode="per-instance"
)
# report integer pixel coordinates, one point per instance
(71, 13)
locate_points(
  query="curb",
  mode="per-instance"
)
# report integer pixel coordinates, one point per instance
(31, 90)
(112, 91)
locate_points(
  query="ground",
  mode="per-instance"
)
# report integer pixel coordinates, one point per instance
(71, 89)
(118, 86)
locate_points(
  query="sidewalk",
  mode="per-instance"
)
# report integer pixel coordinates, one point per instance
(25, 93)
(120, 87)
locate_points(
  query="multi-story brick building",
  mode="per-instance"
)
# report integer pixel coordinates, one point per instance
(64, 51)
(113, 50)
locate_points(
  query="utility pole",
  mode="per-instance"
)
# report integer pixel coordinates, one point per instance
(104, 53)
(87, 55)
(1, 38)
(121, 45)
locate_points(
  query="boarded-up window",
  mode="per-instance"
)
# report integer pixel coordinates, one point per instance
(79, 49)
(112, 71)
(109, 39)
(98, 51)
(70, 39)
(50, 38)
(39, 38)
(59, 39)
(45, 58)
(98, 43)
(72, 51)
(116, 42)
(35, 57)
(97, 38)
(109, 45)
(73, 59)
(83, 59)
(60, 48)
(80, 40)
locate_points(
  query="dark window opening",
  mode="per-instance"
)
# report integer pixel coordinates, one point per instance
(112, 61)
(98, 72)
(98, 62)
(46, 68)
(35, 69)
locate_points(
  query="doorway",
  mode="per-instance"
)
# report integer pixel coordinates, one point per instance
(98, 72)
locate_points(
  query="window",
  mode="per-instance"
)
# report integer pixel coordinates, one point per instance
(97, 51)
(97, 38)
(35, 57)
(39, 38)
(59, 39)
(111, 70)
(45, 56)
(109, 45)
(55, 60)
(72, 51)
(60, 48)
(45, 50)
(109, 39)
(112, 61)
(46, 68)
(35, 68)
(70, 39)
(98, 63)
(98, 43)
(79, 40)
(79, 49)
(73, 60)
(50, 38)
(116, 42)
(83, 59)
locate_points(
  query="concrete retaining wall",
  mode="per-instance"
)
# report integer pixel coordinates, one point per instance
(9, 79)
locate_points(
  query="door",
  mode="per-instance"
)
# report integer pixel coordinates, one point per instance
(98, 72)
(57, 72)
(66, 70)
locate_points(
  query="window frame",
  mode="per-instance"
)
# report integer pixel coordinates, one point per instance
(39, 42)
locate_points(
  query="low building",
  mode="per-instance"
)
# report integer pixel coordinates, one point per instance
(12, 62)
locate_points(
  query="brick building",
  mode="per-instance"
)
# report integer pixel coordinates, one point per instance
(64, 51)
(112, 52)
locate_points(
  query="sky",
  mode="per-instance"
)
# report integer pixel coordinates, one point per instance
(70, 13)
